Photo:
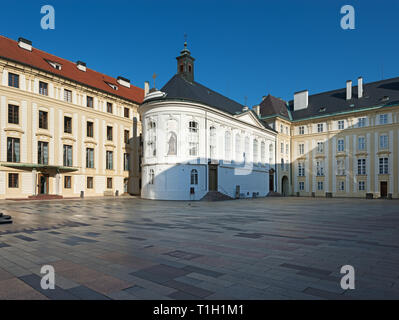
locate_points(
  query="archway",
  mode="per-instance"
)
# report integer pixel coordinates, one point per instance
(284, 186)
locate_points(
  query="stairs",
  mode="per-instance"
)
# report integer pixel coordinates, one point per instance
(216, 196)
(46, 197)
(273, 194)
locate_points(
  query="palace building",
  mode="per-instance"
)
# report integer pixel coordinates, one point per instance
(65, 130)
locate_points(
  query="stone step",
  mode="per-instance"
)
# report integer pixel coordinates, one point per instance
(216, 196)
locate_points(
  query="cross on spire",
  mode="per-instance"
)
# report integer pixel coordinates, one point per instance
(154, 76)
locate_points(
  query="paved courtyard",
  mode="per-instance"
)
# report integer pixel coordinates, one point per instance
(274, 248)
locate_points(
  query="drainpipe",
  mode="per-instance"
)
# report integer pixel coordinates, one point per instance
(206, 152)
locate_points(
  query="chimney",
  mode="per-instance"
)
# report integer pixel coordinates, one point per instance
(360, 87)
(123, 82)
(81, 66)
(25, 44)
(256, 109)
(348, 89)
(301, 100)
(146, 88)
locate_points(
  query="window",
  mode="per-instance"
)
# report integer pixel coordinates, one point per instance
(151, 177)
(361, 122)
(383, 118)
(271, 157)
(384, 141)
(341, 145)
(67, 182)
(90, 129)
(13, 114)
(212, 142)
(255, 151)
(383, 165)
(301, 185)
(126, 136)
(126, 112)
(301, 169)
(287, 148)
(301, 148)
(262, 152)
(13, 179)
(238, 148)
(43, 88)
(246, 148)
(172, 144)
(320, 127)
(194, 177)
(282, 147)
(89, 182)
(42, 152)
(89, 158)
(341, 125)
(67, 125)
(301, 130)
(89, 102)
(362, 186)
(320, 185)
(67, 155)
(43, 123)
(109, 133)
(282, 164)
(361, 166)
(126, 162)
(109, 107)
(320, 147)
(67, 95)
(193, 138)
(281, 128)
(109, 160)
(13, 150)
(227, 146)
(320, 168)
(361, 143)
(152, 139)
(341, 185)
(109, 183)
(13, 80)
(341, 167)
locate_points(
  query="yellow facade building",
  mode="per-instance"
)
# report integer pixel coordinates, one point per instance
(65, 130)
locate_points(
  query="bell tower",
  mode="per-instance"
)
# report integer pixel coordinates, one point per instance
(185, 64)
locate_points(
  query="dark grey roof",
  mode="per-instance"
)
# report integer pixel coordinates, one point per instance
(179, 88)
(271, 106)
(380, 93)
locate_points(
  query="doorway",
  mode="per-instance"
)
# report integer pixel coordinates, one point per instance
(383, 189)
(213, 178)
(125, 185)
(284, 186)
(43, 183)
(271, 180)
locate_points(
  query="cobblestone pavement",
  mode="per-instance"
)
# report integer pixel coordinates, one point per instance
(273, 248)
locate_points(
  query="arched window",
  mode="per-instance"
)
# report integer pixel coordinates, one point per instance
(262, 153)
(271, 153)
(193, 138)
(151, 139)
(194, 177)
(238, 148)
(151, 177)
(227, 146)
(212, 142)
(172, 144)
(246, 150)
(255, 151)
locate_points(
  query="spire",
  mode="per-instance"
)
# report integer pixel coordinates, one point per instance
(185, 63)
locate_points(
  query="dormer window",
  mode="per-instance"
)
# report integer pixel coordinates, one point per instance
(113, 86)
(55, 65)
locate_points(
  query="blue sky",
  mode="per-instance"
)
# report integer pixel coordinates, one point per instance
(242, 48)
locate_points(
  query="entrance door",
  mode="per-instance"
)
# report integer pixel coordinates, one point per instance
(213, 178)
(125, 185)
(43, 183)
(384, 189)
(271, 180)
(284, 186)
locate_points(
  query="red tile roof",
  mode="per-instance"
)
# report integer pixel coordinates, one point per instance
(36, 58)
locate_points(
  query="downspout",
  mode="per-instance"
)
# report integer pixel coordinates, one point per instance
(206, 152)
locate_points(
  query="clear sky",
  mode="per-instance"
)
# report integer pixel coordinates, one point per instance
(242, 48)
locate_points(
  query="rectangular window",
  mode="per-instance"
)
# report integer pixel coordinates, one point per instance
(361, 122)
(43, 123)
(341, 167)
(42, 152)
(281, 128)
(320, 127)
(13, 150)
(109, 107)
(43, 88)
(361, 143)
(320, 147)
(301, 130)
(90, 129)
(89, 102)
(126, 112)
(13, 80)
(67, 182)
(126, 136)
(67, 155)
(282, 148)
(341, 145)
(320, 168)
(383, 165)
(13, 114)
(301, 148)
(126, 161)
(361, 166)
(13, 180)
(109, 183)
(67, 125)
(89, 182)
(383, 118)
(287, 148)
(301, 169)
(109, 133)
(384, 142)
(67, 95)
(89, 158)
(109, 160)
(362, 186)
(341, 186)
(341, 125)
(301, 186)
(320, 185)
